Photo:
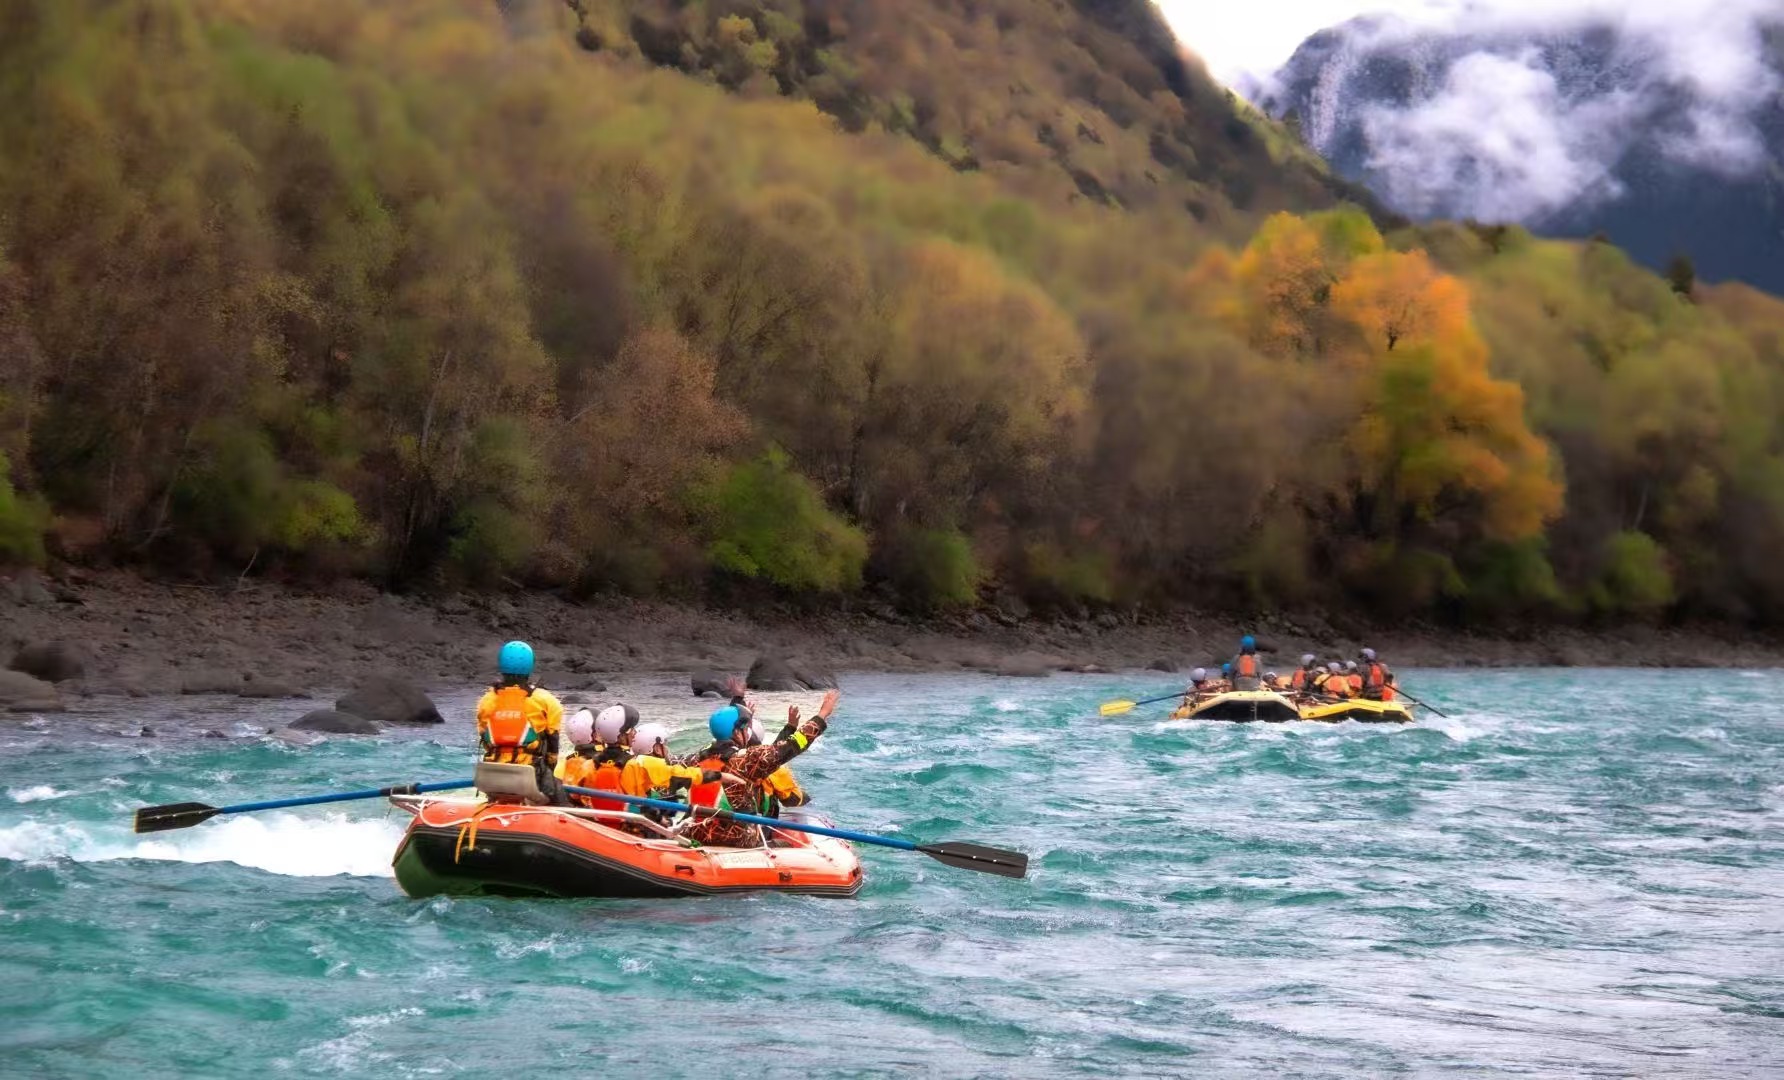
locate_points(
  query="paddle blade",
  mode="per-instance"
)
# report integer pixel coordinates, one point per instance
(172, 816)
(1116, 708)
(986, 860)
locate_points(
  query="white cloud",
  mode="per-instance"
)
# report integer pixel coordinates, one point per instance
(1247, 41)
(1499, 139)
(1709, 43)
(1497, 142)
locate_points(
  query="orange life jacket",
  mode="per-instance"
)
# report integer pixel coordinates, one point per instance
(1245, 667)
(1375, 675)
(1387, 691)
(604, 777)
(1298, 681)
(708, 794)
(1356, 683)
(510, 734)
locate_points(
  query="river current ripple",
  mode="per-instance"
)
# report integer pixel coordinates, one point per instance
(1579, 873)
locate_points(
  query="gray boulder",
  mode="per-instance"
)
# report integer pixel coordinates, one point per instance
(51, 661)
(707, 683)
(27, 588)
(566, 682)
(20, 692)
(390, 699)
(336, 723)
(776, 673)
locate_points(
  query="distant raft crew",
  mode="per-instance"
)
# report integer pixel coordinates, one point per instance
(1330, 691)
(1335, 680)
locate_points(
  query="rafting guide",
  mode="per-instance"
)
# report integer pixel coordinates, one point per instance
(1335, 691)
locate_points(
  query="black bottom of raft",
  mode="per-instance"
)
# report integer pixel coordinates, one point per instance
(544, 867)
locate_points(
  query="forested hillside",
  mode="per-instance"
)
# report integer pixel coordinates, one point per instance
(930, 300)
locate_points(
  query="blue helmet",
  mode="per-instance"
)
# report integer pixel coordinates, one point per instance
(724, 723)
(1226, 668)
(1248, 644)
(516, 659)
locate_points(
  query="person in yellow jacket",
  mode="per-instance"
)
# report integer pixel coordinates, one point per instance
(597, 741)
(651, 772)
(518, 722)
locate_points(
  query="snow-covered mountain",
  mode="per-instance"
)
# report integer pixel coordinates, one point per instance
(1667, 136)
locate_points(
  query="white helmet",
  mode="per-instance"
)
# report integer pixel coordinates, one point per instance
(580, 728)
(1307, 659)
(1199, 675)
(645, 738)
(757, 735)
(612, 721)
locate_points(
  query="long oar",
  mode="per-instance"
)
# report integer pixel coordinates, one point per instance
(1416, 701)
(187, 814)
(1116, 708)
(988, 860)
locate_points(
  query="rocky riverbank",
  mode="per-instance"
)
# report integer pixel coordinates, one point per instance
(116, 633)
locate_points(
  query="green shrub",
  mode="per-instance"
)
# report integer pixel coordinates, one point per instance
(497, 500)
(228, 495)
(1636, 579)
(933, 568)
(1514, 578)
(237, 497)
(1413, 578)
(1273, 566)
(764, 521)
(1053, 574)
(315, 513)
(22, 521)
(490, 539)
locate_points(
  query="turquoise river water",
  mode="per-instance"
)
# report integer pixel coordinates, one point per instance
(1580, 873)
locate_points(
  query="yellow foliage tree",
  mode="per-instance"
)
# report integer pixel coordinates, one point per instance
(1399, 297)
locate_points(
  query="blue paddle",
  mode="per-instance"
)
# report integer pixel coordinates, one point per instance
(187, 814)
(988, 860)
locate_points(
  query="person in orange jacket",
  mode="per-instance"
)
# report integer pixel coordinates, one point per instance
(1378, 680)
(1332, 682)
(1303, 680)
(602, 749)
(517, 722)
(1247, 670)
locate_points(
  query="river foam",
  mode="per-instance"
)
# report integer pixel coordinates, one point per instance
(280, 843)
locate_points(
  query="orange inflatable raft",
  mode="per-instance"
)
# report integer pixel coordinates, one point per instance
(474, 846)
